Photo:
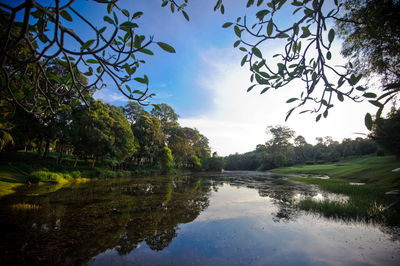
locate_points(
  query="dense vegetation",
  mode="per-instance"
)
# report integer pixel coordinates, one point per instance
(284, 149)
(118, 138)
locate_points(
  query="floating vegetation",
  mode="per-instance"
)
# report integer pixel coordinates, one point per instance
(25, 206)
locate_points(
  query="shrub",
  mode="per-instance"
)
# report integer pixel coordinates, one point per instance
(46, 177)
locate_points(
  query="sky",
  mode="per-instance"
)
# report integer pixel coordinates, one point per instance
(206, 86)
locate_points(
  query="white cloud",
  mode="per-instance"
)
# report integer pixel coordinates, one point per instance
(238, 120)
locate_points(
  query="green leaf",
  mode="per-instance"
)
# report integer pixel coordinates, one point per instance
(256, 52)
(157, 107)
(185, 15)
(251, 87)
(318, 118)
(282, 35)
(110, 7)
(264, 90)
(125, 12)
(331, 35)
(146, 51)
(128, 88)
(260, 80)
(291, 100)
(270, 27)
(115, 18)
(140, 80)
(328, 55)
(262, 13)
(164, 3)
(227, 24)
(249, 3)
(325, 113)
(242, 49)
(306, 32)
(108, 19)
(236, 44)
(243, 60)
(238, 32)
(137, 15)
(369, 95)
(377, 104)
(288, 114)
(128, 25)
(340, 97)
(87, 44)
(166, 47)
(354, 79)
(368, 121)
(65, 15)
(92, 61)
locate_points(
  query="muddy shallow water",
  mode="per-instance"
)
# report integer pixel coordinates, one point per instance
(234, 218)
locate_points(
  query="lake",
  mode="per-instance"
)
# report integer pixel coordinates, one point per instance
(234, 218)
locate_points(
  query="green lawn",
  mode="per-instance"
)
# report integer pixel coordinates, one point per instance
(368, 169)
(366, 202)
(9, 180)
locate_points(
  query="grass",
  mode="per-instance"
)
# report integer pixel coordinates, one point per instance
(367, 169)
(366, 202)
(10, 179)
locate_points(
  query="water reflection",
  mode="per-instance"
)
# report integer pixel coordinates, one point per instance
(208, 219)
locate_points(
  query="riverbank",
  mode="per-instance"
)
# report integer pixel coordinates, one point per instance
(366, 182)
(24, 168)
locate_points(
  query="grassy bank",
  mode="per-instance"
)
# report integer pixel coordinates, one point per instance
(366, 202)
(22, 168)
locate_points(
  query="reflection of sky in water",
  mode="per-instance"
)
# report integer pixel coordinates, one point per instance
(238, 229)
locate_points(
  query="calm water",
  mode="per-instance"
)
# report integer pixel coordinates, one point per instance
(236, 218)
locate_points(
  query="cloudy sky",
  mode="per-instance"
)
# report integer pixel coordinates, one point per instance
(206, 86)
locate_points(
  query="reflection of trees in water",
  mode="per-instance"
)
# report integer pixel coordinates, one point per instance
(72, 225)
(280, 190)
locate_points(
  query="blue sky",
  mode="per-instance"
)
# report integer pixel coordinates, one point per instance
(205, 84)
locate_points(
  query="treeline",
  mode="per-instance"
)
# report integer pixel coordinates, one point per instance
(285, 149)
(116, 137)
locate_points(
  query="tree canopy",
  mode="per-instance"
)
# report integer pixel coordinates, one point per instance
(371, 32)
(48, 33)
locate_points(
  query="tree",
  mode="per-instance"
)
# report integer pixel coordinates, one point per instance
(167, 116)
(147, 131)
(279, 146)
(166, 160)
(45, 32)
(306, 53)
(101, 131)
(132, 110)
(386, 133)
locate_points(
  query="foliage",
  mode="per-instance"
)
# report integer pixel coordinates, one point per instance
(101, 130)
(306, 54)
(386, 133)
(279, 151)
(48, 177)
(166, 160)
(147, 130)
(112, 49)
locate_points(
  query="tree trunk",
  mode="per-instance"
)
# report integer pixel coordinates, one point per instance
(60, 154)
(39, 148)
(76, 161)
(46, 149)
(94, 161)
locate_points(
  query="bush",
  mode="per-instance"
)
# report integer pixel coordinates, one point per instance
(76, 174)
(46, 177)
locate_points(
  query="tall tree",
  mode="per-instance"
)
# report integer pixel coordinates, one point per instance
(101, 130)
(279, 146)
(147, 130)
